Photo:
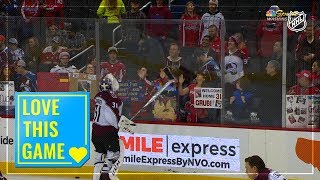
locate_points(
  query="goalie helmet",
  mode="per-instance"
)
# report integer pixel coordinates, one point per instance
(108, 83)
(105, 85)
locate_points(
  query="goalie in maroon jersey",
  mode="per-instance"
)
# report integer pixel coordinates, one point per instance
(107, 122)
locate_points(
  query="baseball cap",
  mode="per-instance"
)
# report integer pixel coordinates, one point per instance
(56, 39)
(62, 54)
(304, 73)
(112, 49)
(216, 2)
(135, 1)
(2, 38)
(21, 63)
(13, 41)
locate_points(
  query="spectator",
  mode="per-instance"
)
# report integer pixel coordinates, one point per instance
(304, 86)
(113, 66)
(256, 170)
(241, 101)
(242, 44)
(30, 11)
(277, 56)
(147, 88)
(50, 55)
(159, 27)
(64, 65)
(208, 66)
(316, 73)
(214, 39)
(207, 48)
(52, 32)
(16, 52)
(176, 64)
(7, 74)
(189, 27)
(194, 114)
(234, 49)
(267, 33)
(25, 81)
(270, 91)
(307, 50)
(75, 43)
(133, 30)
(213, 16)
(111, 10)
(90, 69)
(33, 53)
(54, 12)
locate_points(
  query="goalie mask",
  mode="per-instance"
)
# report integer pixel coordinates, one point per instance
(108, 84)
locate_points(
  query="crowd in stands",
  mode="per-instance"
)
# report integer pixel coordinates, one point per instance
(192, 48)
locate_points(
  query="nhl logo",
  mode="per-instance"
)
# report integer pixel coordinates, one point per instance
(297, 21)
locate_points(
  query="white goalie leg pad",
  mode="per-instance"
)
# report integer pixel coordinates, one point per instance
(115, 168)
(109, 160)
(98, 165)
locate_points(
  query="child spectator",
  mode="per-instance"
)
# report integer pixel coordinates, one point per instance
(304, 86)
(111, 10)
(316, 73)
(194, 114)
(32, 54)
(241, 100)
(113, 66)
(25, 81)
(90, 69)
(16, 52)
(147, 88)
(64, 66)
(189, 27)
(213, 16)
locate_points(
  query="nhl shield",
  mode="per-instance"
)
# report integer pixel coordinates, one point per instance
(297, 21)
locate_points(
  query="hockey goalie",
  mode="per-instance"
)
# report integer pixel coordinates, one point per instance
(108, 120)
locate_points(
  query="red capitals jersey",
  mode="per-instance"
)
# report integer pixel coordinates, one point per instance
(54, 8)
(298, 90)
(118, 70)
(30, 8)
(216, 45)
(194, 113)
(108, 110)
(269, 32)
(189, 29)
(49, 55)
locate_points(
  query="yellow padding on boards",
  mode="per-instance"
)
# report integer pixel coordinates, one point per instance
(75, 172)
